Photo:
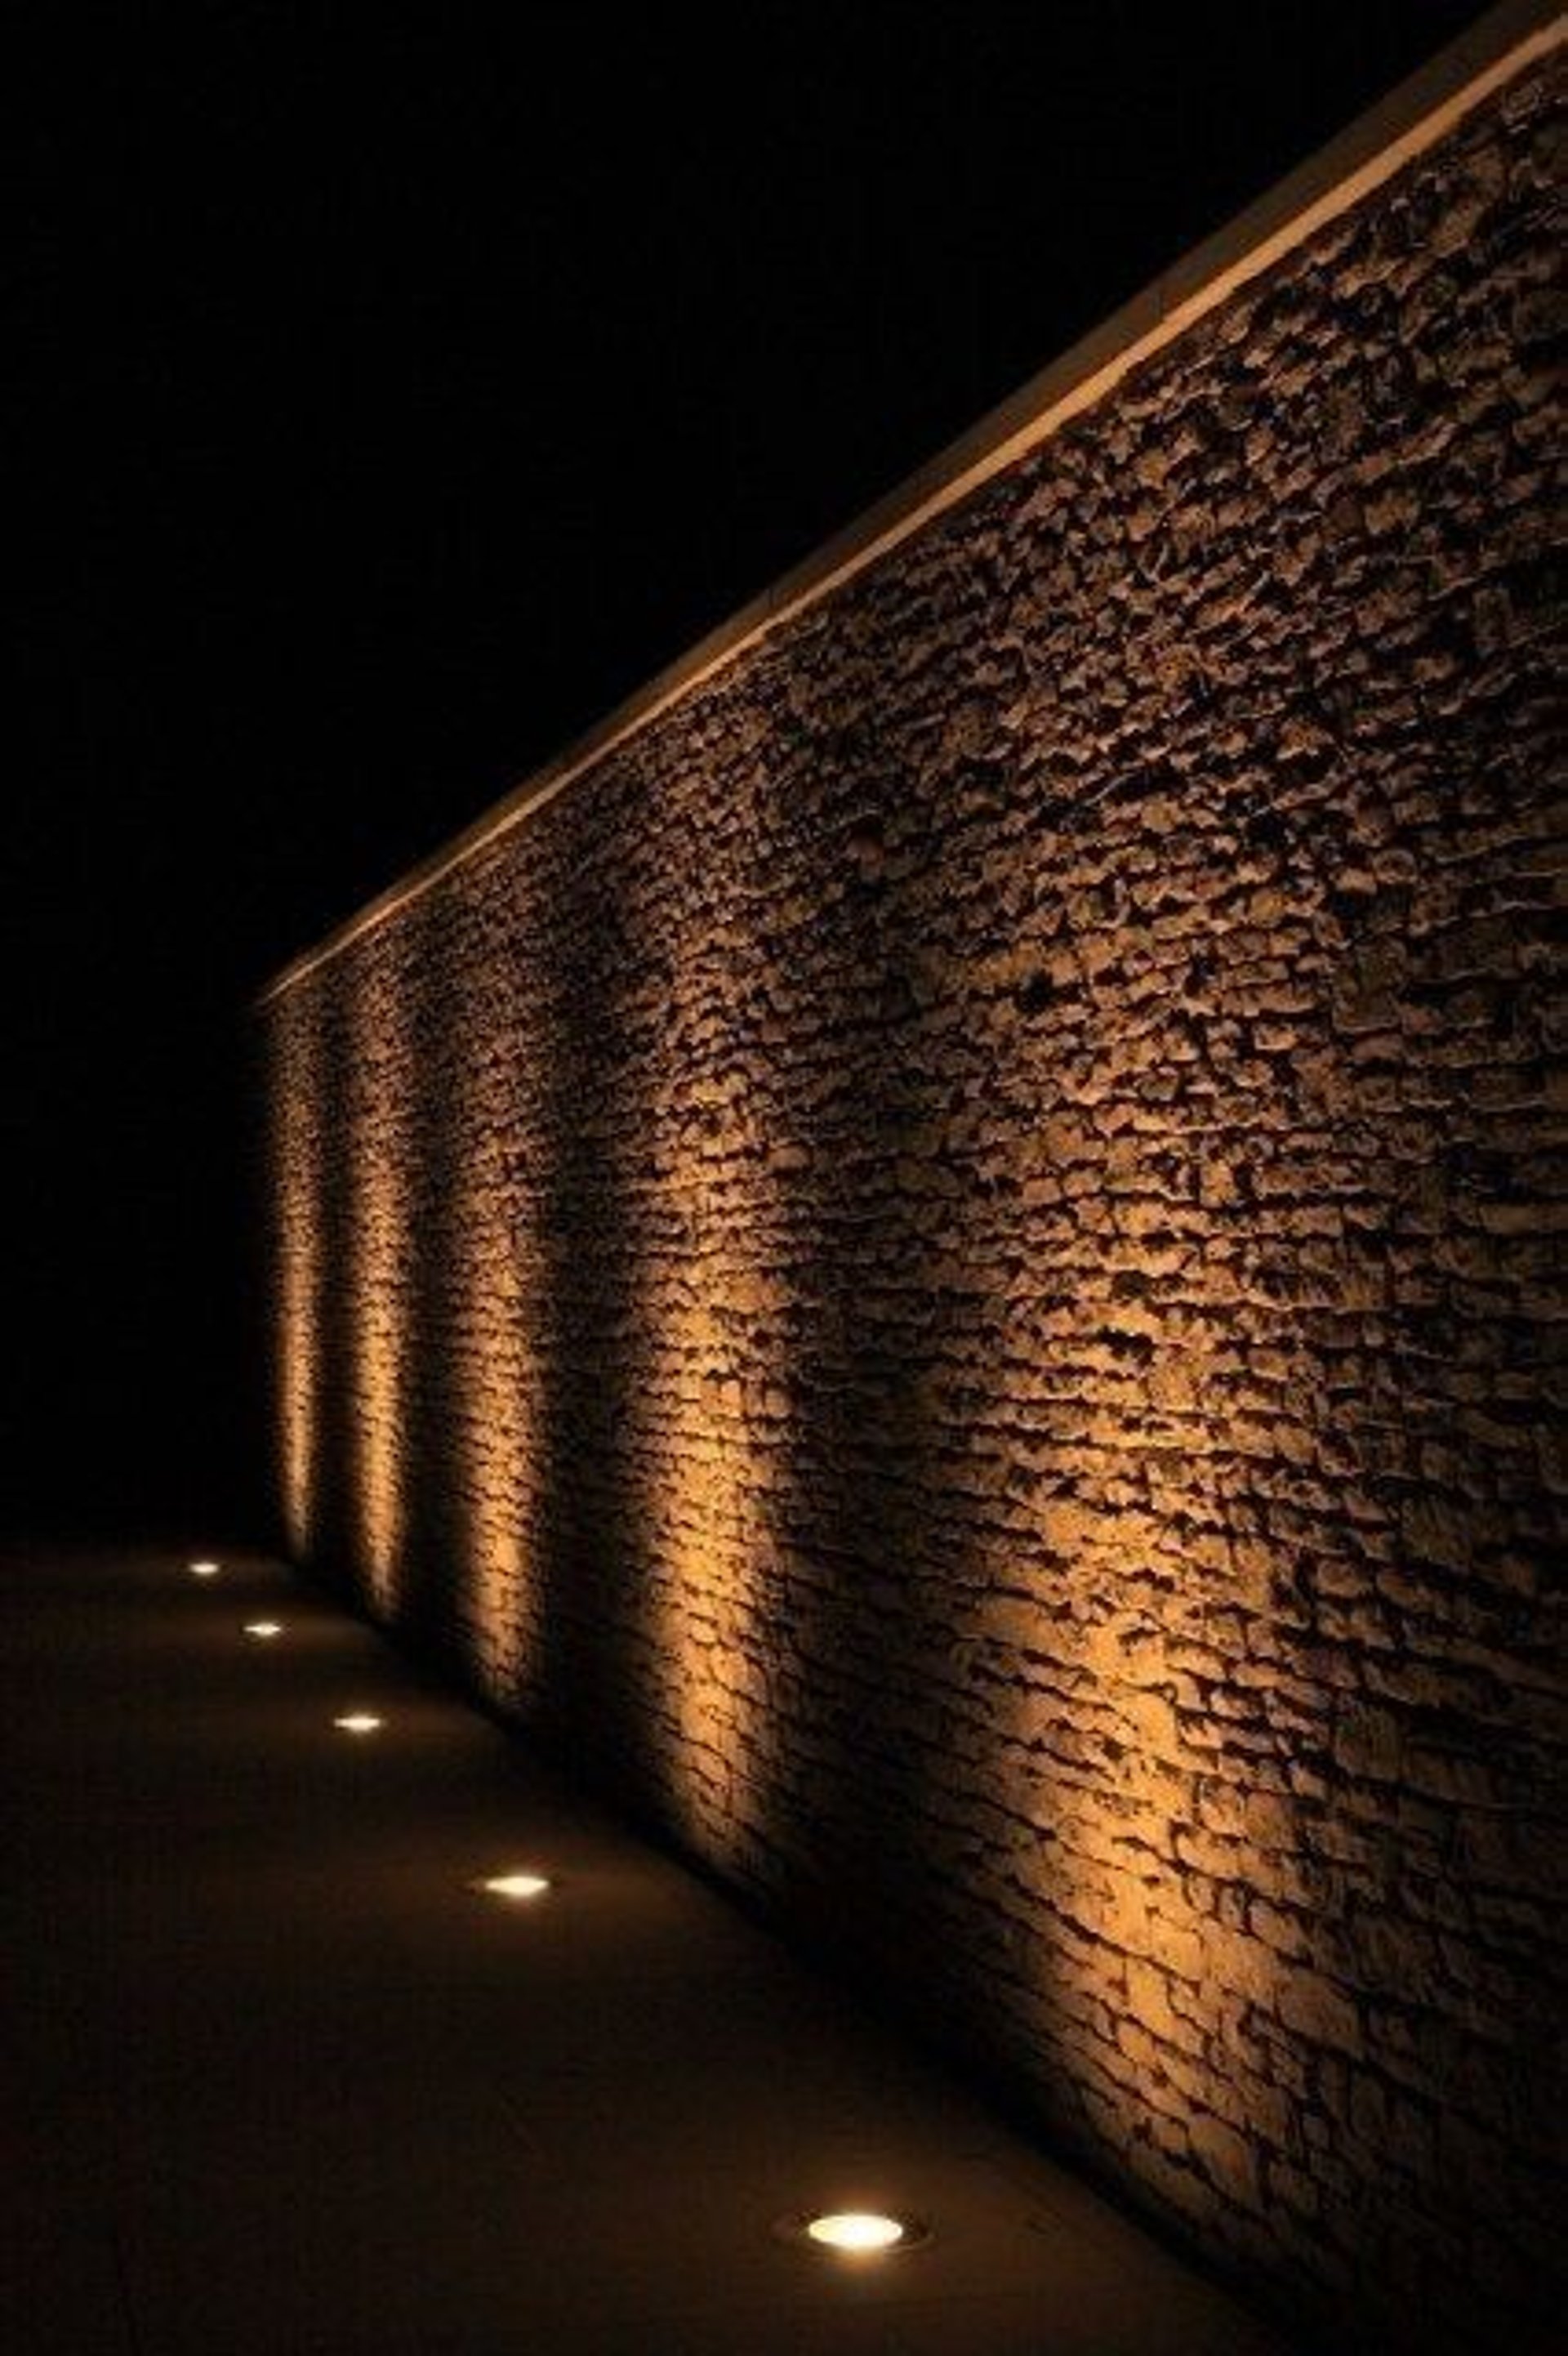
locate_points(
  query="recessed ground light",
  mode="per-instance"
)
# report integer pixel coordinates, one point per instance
(359, 1721)
(855, 2232)
(860, 2229)
(264, 1629)
(517, 1887)
(204, 1569)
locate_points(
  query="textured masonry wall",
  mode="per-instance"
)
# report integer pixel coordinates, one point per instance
(946, 1266)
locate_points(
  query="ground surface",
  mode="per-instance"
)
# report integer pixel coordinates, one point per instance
(277, 2083)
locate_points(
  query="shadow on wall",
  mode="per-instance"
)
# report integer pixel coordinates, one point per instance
(1407, 1911)
(857, 1837)
(588, 1539)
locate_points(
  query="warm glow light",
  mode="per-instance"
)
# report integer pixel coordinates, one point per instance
(263, 1629)
(514, 1885)
(297, 1150)
(708, 1717)
(378, 1249)
(205, 1570)
(359, 1721)
(858, 2230)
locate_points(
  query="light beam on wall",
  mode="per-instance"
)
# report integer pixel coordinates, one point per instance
(297, 1130)
(381, 1249)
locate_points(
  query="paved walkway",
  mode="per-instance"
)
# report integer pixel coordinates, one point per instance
(277, 2084)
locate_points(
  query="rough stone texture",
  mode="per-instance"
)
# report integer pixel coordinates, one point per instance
(947, 1267)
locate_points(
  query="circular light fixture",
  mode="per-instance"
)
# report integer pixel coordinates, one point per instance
(858, 2230)
(359, 1721)
(264, 1631)
(854, 2233)
(516, 1887)
(204, 1569)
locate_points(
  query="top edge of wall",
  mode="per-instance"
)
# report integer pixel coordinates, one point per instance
(1420, 111)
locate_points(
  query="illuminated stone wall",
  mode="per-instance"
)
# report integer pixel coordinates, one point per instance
(945, 1268)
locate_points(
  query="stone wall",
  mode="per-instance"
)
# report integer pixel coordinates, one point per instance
(945, 1266)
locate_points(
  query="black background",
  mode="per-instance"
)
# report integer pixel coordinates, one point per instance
(387, 394)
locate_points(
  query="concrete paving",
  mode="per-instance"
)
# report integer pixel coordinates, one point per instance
(278, 2084)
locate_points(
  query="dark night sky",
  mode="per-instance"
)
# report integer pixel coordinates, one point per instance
(383, 398)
